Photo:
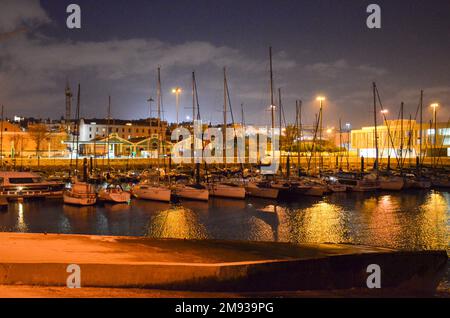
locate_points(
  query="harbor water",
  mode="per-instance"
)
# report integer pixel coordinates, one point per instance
(413, 220)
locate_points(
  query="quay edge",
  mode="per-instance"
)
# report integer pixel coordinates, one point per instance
(213, 266)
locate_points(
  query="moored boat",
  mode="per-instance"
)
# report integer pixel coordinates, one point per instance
(226, 190)
(152, 191)
(262, 190)
(114, 195)
(358, 183)
(391, 183)
(20, 185)
(191, 192)
(80, 193)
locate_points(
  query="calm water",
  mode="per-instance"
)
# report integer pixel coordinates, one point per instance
(407, 220)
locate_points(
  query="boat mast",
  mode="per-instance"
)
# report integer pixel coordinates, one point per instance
(420, 129)
(280, 115)
(401, 138)
(108, 122)
(340, 144)
(158, 102)
(298, 108)
(193, 119)
(375, 122)
(272, 106)
(224, 127)
(77, 129)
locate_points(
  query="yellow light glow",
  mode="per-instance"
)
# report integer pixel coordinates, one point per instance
(384, 111)
(176, 90)
(329, 131)
(435, 105)
(320, 98)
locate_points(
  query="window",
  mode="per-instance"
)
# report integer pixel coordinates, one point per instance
(24, 180)
(430, 131)
(90, 136)
(444, 131)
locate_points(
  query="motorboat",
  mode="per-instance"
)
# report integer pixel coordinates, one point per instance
(19, 185)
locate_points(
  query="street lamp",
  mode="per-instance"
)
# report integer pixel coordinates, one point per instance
(320, 99)
(177, 92)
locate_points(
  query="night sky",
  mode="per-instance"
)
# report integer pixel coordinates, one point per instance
(320, 47)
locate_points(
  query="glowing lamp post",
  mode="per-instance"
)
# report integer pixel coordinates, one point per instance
(177, 92)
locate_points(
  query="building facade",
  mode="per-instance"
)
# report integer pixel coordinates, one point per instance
(401, 138)
(125, 129)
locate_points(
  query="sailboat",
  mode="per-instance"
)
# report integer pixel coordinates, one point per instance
(147, 189)
(114, 194)
(387, 181)
(195, 191)
(80, 193)
(226, 189)
(264, 189)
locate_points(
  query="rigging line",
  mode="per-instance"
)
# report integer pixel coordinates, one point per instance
(314, 141)
(442, 144)
(385, 120)
(232, 119)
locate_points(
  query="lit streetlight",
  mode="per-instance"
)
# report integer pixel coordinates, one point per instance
(177, 92)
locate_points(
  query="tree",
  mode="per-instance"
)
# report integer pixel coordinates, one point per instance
(38, 133)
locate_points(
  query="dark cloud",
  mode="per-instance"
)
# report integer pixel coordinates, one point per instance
(34, 67)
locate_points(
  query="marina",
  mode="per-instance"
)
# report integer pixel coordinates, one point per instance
(235, 149)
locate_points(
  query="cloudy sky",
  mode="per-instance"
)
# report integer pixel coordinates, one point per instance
(320, 47)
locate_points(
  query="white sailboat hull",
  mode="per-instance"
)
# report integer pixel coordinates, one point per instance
(152, 193)
(191, 193)
(118, 197)
(84, 200)
(260, 192)
(226, 191)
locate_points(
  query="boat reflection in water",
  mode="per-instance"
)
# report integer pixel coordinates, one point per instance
(413, 219)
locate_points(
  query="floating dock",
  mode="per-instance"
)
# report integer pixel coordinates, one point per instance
(210, 265)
